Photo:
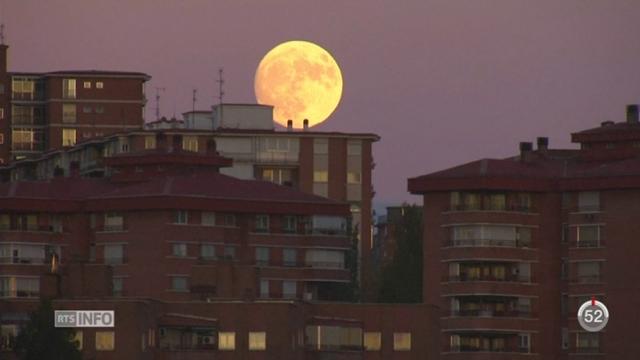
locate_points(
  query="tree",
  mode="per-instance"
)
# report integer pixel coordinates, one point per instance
(41, 340)
(401, 279)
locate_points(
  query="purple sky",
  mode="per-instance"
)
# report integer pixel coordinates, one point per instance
(442, 82)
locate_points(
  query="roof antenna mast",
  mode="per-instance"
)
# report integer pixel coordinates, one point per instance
(2, 34)
(220, 82)
(193, 100)
(158, 90)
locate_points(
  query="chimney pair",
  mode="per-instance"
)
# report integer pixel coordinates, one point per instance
(527, 147)
(305, 125)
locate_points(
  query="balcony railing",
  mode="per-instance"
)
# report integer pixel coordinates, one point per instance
(487, 243)
(327, 347)
(19, 294)
(588, 208)
(112, 228)
(492, 313)
(115, 260)
(23, 260)
(33, 228)
(507, 278)
(466, 348)
(591, 243)
(588, 350)
(332, 265)
(508, 208)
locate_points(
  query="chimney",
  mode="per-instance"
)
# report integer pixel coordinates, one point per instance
(305, 125)
(632, 114)
(525, 149)
(289, 125)
(543, 143)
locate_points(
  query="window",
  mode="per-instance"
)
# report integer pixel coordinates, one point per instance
(372, 341)
(262, 223)
(290, 224)
(264, 288)
(289, 289)
(78, 339)
(402, 341)
(113, 254)
(564, 268)
(179, 283)
(327, 259)
(588, 236)
(229, 252)
(99, 85)
(1, 138)
(69, 88)
(207, 251)
(588, 201)
(105, 341)
(257, 341)
(588, 342)
(1, 113)
(354, 177)
(113, 221)
(99, 109)
(226, 340)
(496, 202)
(565, 338)
(588, 271)
(181, 217)
(321, 176)
(117, 286)
(354, 147)
(68, 137)
(87, 84)
(524, 342)
(179, 250)
(566, 233)
(68, 113)
(208, 218)
(321, 146)
(228, 220)
(289, 257)
(190, 143)
(323, 337)
(262, 256)
(19, 287)
(149, 142)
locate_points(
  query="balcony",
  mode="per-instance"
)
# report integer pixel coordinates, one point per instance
(112, 228)
(31, 228)
(116, 260)
(496, 349)
(487, 243)
(587, 244)
(22, 260)
(492, 208)
(588, 350)
(469, 278)
(524, 313)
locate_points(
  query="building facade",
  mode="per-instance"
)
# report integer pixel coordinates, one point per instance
(47, 111)
(513, 247)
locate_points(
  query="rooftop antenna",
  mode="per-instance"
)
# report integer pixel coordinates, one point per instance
(193, 100)
(1, 34)
(220, 82)
(158, 90)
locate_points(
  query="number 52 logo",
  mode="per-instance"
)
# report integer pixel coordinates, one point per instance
(593, 315)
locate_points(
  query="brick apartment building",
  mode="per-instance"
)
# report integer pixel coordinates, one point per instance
(512, 247)
(53, 110)
(196, 264)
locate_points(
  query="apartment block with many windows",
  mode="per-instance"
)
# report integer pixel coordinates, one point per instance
(513, 247)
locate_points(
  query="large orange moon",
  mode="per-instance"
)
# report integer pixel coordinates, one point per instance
(301, 80)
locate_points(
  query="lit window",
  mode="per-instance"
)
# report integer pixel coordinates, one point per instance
(207, 251)
(99, 85)
(257, 341)
(69, 88)
(226, 340)
(354, 177)
(78, 339)
(372, 341)
(262, 256)
(262, 223)
(68, 137)
(149, 142)
(321, 176)
(179, 283)
(190, 143)
(105, 341)
(179, 250)
(87, 84)
(181, 217)
(289, 289)
(402, 341)
(68, 113)
(208, 218)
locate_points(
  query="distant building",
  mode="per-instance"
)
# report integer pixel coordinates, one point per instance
(513, 247)
(385, 242)
(40, 112)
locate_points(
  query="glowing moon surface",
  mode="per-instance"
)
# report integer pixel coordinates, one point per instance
(301, 80)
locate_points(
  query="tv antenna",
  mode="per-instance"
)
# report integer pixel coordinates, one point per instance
(158, 90)
(193, 100)
(220, 82)
(1, 34)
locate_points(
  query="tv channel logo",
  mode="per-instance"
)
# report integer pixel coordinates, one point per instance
(84, 318)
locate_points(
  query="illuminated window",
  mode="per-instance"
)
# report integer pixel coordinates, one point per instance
(150, 142)
(372, 341)
(402, 341)
(105, 341)
(321, 176)
(87, 84)
(190, 143)
(179, 283)
(179, 250)
(68, 137)
(69, 88)
(257, 341)
(226, 340)
(78, 339)
(354, 177)
(99, 85)
(68, 113)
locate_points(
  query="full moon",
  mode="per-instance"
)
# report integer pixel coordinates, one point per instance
(301, 80)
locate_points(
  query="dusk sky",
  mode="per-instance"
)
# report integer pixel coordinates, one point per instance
(442, 82)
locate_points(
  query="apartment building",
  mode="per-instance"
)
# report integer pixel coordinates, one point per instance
(53, 110)
(512, 247)
(334, 165)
